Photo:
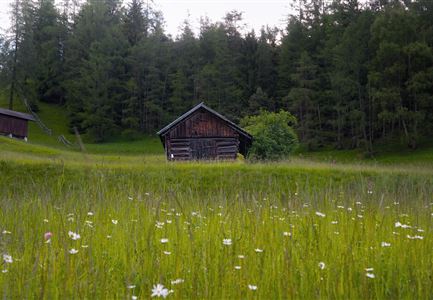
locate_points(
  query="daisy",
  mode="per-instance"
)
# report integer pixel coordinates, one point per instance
(238, 267)
(177, 281)
(258, 250)
(73, 251)
(159, 291)
(74, 236)
(7, 258)
(322, 265)
(114, 222)
(252, 287)
(164, 241)
(370, 275)
(227, 242)
(322, 215)
(285, 233)
(167, 252)
(398, 224)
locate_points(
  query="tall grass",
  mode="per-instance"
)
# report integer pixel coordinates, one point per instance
(300, 214)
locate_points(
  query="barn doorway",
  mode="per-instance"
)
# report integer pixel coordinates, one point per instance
(203, 149)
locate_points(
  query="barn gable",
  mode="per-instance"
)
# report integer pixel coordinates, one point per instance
(202, 133)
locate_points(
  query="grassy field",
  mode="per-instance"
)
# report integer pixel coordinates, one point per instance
(294, 229)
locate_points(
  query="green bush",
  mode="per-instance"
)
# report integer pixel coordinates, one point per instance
(273, 135)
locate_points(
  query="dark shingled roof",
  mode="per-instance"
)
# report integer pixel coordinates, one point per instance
(16, 114)
(197, 107)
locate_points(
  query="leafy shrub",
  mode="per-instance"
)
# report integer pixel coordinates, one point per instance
(273, 135)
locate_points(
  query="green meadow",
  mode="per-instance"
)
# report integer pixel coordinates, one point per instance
(120, 223)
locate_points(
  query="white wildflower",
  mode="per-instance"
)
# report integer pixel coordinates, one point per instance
(167, 252)
(415, 237)
(258, 250)
(334, 222)
(114, 222)
(159, 291)
(177, 281)
(241, 256)
(164, 241)
(285, 233)
(322, 265)
(227, 242)
(237, 267)
(159, 224)
(252, 287)
(133, 297)
(385, 244)
(73, 251)
(132, 286)
(369, 269)
(322, 215)
(73, 235)
(7, 258)
(6, 232)
(90, 213)
(370, 275)
(398, 224)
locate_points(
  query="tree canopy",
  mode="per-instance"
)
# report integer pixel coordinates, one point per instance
(353, 74)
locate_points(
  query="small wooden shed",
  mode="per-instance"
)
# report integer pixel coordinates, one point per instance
(202, 133)
(14, 123)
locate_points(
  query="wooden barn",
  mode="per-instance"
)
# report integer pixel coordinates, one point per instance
(202, 133)
(14, 123)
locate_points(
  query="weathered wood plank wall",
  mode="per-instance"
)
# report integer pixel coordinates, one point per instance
(16, 126)
(202, 136)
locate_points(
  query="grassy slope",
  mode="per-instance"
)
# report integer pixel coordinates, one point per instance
(55, 117)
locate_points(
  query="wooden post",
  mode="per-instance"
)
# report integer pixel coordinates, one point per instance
(80, 142)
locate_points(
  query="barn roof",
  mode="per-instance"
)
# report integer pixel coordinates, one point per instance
(16, 114)
(203, 106)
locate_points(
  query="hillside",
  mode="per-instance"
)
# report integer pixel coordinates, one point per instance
(55, 117)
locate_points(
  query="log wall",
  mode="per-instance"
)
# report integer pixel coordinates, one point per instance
(202, 136)
(11, 125)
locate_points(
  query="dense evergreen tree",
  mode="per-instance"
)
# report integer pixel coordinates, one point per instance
(353, 74)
